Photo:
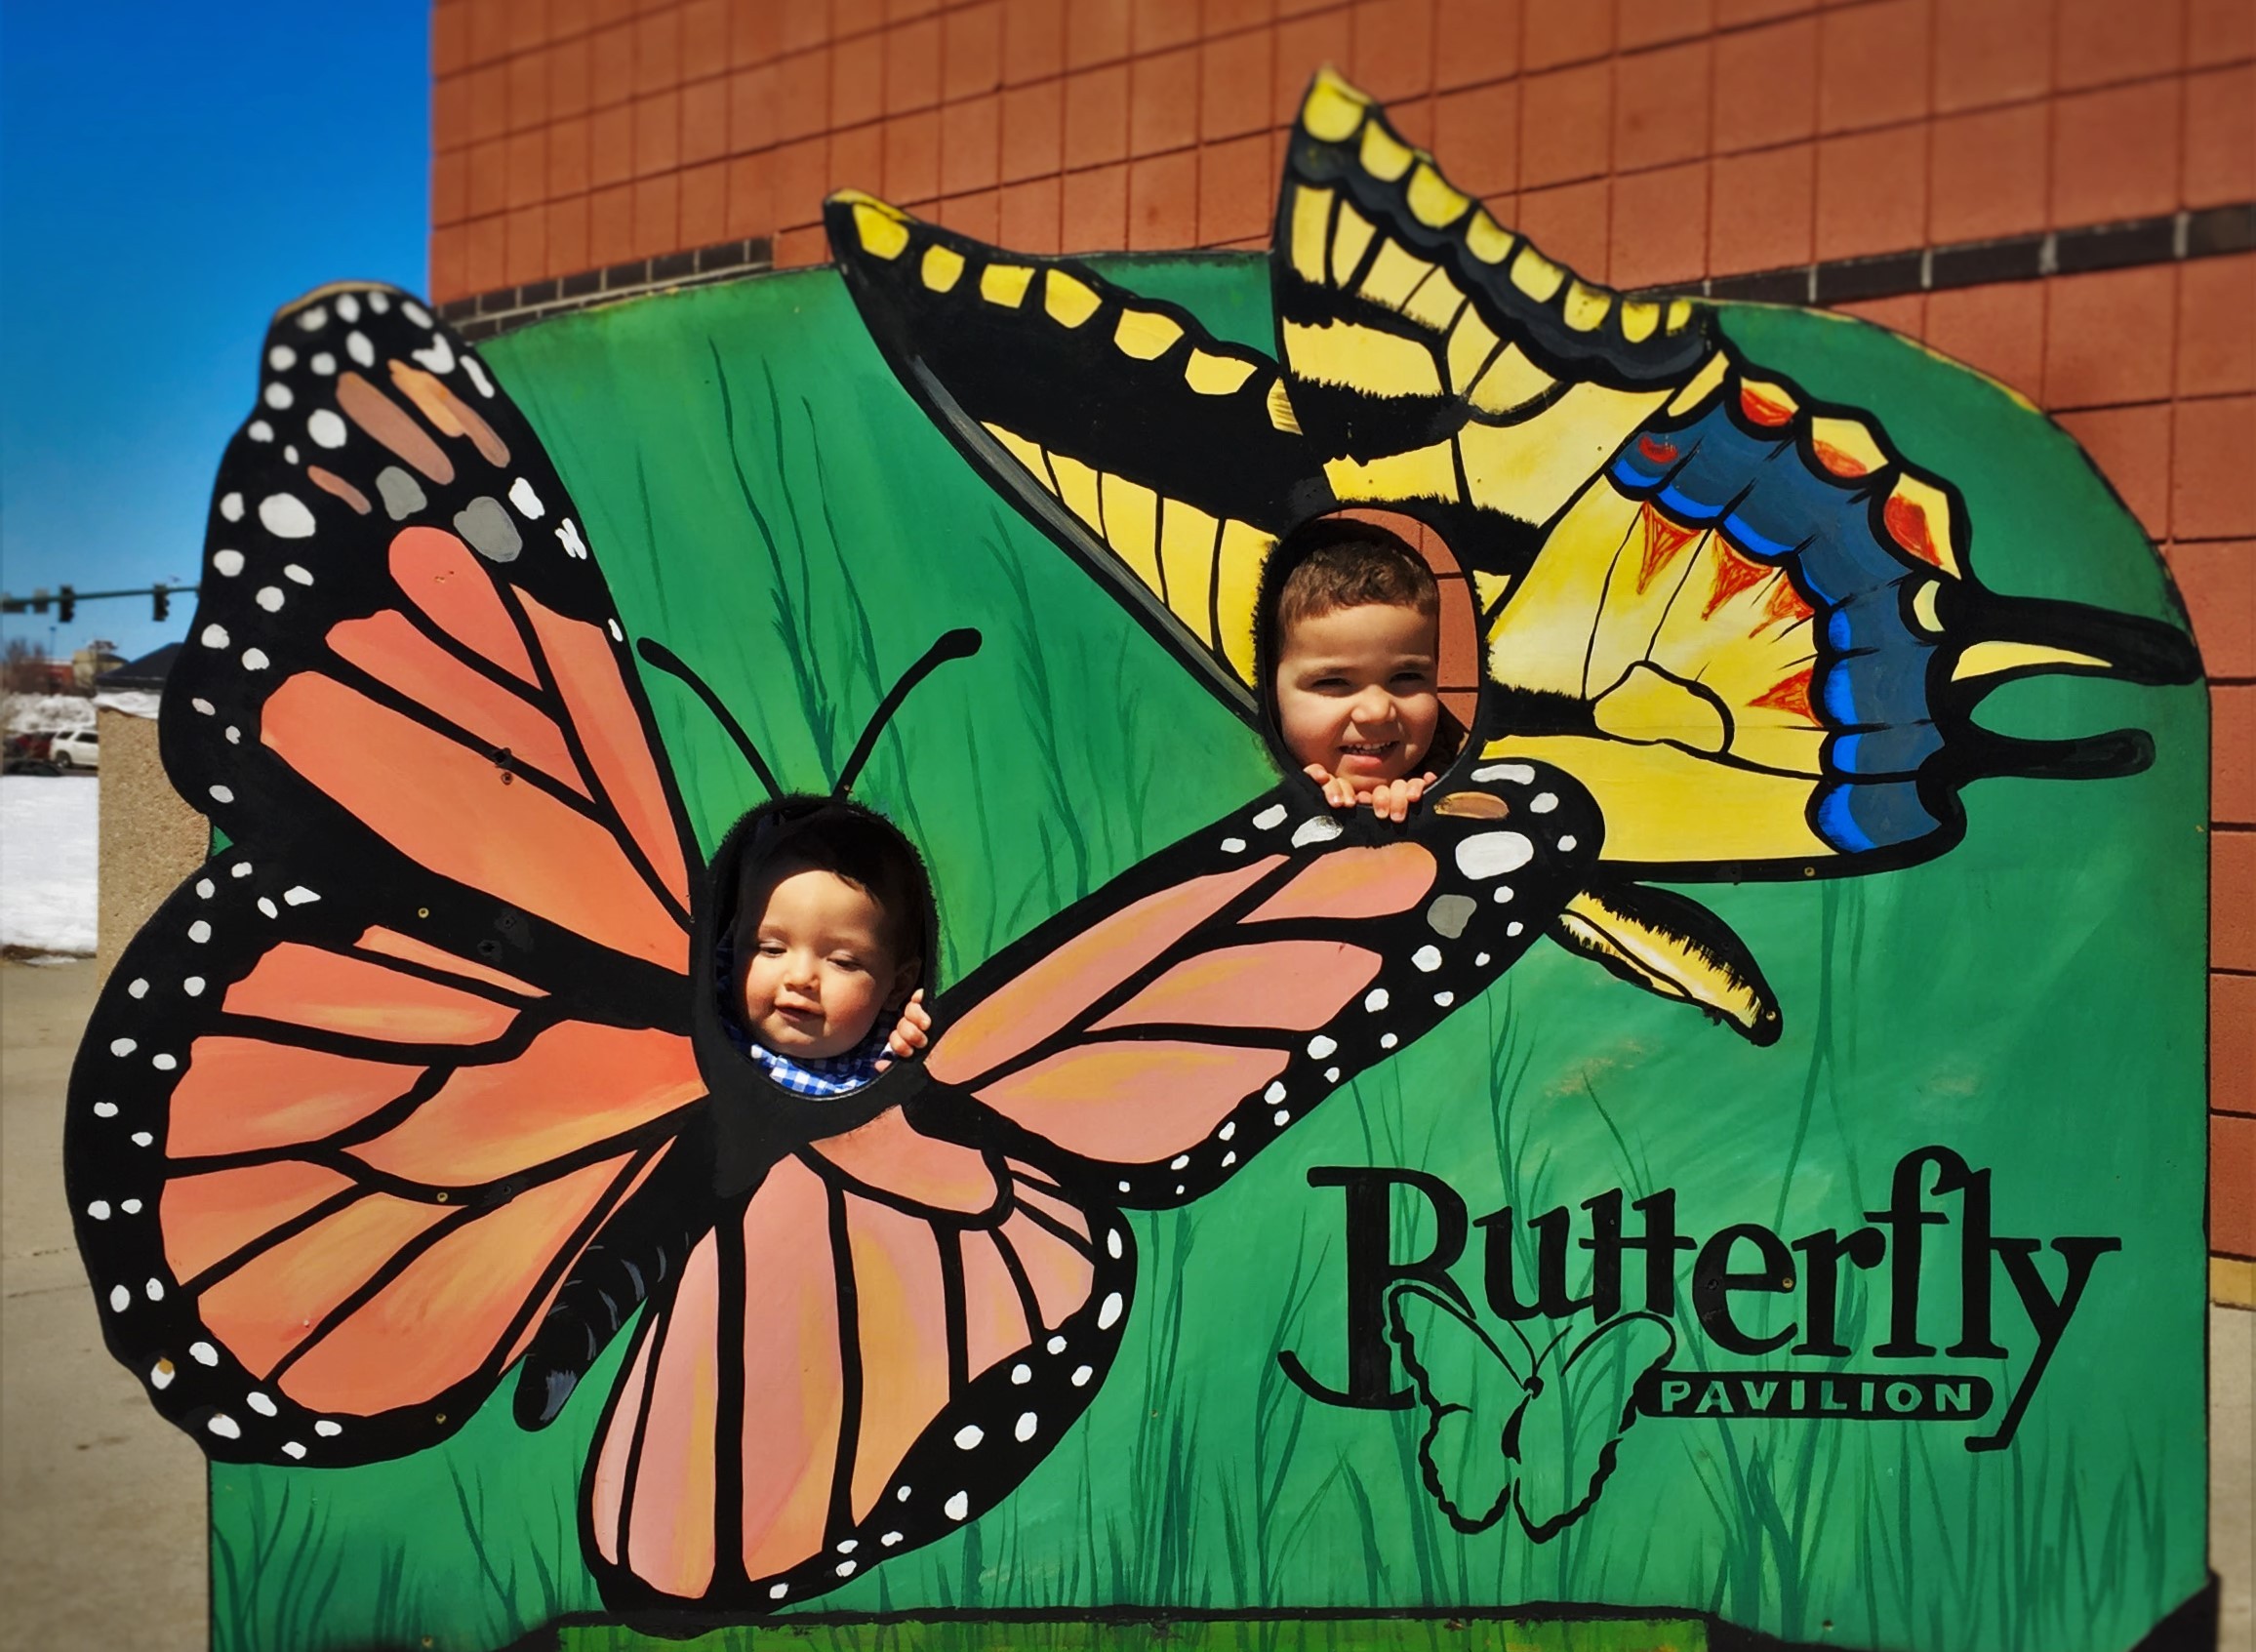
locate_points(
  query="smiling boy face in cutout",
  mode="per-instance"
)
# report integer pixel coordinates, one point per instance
(1358, 639)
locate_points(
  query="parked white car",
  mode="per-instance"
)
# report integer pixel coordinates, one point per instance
(75, 748)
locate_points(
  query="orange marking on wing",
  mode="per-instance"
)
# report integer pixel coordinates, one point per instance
(540, 1313)
(607, 1489)
(392, 425)
(1297, 983)
(1354, 883)
(406, 948)
(793, 1377)
(1069, 1215)
(207, 1219)
(1765, 404)
(603, 715)
(1785, 604)
(1733, 574)
(892, 1155)
(1908, 526)
(1060, 1275)
(337, 993)
(1024, 1011)
(443, 578)
(901, 1320)
(416, 789)
(1839, 460)
(575, 1084)
(448, 412)
(239, 1094)
(1132, 1103)
(390, 648)
(1790, 695)
(1664, 541)
(446, 1313)
(677, 1498)
(272, 1303)
(331, 483)
(994, 1319)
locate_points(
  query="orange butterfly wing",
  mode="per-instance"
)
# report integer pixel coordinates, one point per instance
(878, 1345)
(1144, 1055)
(366, 1087)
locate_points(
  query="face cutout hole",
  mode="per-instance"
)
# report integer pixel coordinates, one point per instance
(1458, 662)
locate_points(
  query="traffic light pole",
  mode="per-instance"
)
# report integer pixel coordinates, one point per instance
(66, 600)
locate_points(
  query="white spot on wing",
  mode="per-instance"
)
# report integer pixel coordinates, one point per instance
(1426, 958)
(1109, 1315)
(285, 516)
(231, 506)
(1520, 774)
(969, 1435)
(1321, 1045)
(1027, 1424)
(224, 1425)
(1492, 853)
(1271, 818)
(1317, 828)
(212, 637)
(326, 429)
(956, 1507)
(527, 501)
(255, 660)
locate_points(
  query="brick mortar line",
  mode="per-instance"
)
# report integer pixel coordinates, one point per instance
(1929, 119)
(2226, 222)
(1721, 31)
(1063, 172)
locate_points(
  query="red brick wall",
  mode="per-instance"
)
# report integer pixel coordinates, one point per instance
(1644, 141)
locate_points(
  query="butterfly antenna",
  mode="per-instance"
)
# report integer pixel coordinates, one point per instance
(673, 665)
(960, 644)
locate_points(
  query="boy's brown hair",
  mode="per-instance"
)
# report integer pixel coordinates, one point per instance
(1339, 562)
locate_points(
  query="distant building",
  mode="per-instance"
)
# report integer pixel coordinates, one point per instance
(91, 662)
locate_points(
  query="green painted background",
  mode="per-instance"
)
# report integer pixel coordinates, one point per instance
(767, 501)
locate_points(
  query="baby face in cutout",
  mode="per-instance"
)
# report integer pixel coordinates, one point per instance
(817, 962)
(1359, 640)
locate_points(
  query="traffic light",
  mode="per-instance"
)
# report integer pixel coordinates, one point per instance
(66, 605)
(160, 602)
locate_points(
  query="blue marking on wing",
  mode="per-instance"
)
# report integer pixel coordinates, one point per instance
(1870, 681)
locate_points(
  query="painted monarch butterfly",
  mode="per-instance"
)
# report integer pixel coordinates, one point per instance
(411, 1088)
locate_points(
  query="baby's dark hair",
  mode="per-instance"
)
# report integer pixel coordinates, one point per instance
(851, 842)
(1338, 562)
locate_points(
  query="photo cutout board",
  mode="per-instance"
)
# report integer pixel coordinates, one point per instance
(1727, 1165)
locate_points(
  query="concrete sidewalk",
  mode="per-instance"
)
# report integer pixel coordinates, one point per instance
(101, 1502)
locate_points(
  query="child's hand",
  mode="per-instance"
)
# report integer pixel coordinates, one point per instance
(912, 1034)
(1339, 792)
(1390, 800)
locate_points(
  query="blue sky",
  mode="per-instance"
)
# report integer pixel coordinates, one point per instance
(168, 175)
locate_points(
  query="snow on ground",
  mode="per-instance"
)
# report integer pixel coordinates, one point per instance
(40, 714)
(49, 848)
